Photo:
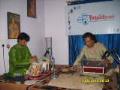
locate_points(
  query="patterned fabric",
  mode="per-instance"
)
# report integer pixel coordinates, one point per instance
(76, 82)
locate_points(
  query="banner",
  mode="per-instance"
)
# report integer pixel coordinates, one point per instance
(98, 18)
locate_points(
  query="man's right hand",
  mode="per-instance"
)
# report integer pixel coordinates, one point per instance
(33, 59)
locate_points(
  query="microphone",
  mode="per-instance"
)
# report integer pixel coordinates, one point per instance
(47, 52)
(106, 54)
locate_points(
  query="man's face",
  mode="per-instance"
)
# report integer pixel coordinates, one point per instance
(23, 42)
(89, 42)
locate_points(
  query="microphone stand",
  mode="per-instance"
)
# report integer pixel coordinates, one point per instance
(54, 76)
(4, 57)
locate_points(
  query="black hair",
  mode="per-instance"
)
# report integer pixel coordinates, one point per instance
(23, 36)
(88, 34)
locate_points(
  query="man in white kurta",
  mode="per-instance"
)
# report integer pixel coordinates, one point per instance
(92, 50)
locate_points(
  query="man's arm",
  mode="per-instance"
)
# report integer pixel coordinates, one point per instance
(79, 58)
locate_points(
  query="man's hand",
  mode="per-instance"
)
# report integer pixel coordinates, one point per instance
(34, 59)
(106, 63)
(77, 68)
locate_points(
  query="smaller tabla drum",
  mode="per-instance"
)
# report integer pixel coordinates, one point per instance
(34, 70)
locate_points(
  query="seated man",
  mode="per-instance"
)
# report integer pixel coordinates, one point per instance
(92, 50)
(20, 57)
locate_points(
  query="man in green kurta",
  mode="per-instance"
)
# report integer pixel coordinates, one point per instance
(20, 56)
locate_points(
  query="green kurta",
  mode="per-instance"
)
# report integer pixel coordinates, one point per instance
(19, 60)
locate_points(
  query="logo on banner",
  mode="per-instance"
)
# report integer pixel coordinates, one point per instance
(86, 19)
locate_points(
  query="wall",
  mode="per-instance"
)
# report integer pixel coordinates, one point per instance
(33, 26)
(55, 28)
(1, 63)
